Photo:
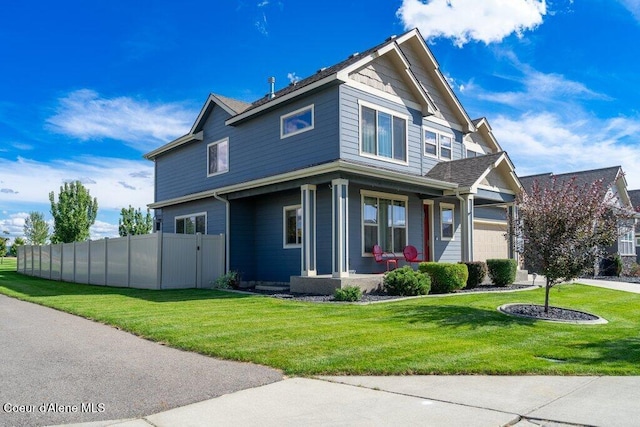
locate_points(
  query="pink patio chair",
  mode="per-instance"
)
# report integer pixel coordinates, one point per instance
(381, 256)
(412, 255)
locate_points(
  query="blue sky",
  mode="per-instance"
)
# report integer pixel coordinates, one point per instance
(86, 88)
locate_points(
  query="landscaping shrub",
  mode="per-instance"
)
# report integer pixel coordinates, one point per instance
(405, 281)
(230, 280)
(635, 270)
(502, 271)
(348, 293)
(611, 265)
(477, 272)
(445, 277)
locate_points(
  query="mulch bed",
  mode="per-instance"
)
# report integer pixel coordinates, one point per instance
(555, 313)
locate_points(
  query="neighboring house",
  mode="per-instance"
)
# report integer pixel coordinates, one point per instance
(376, 149)
(614, 181)
(634, 195)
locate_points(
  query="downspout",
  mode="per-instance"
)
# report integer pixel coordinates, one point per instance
(227, 229)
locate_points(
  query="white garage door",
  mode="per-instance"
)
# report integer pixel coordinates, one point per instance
(489, 240)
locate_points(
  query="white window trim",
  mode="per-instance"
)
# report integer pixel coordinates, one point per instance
(286, 245)
(175, 220)
(220, 141)
(453, 221)
(293, 113)
(631, 242)
(388, 196)
(393, 113)
(438, 133)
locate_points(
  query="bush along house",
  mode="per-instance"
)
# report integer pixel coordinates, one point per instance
(375, 150)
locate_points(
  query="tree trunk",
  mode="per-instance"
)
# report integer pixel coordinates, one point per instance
(546, 296)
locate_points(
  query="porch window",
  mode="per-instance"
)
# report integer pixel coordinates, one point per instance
(447, 225)
(297, 122)
(384, 222)
(292, 226)
(191, 224)
(626, 243)
(218, 157)
(383, 134)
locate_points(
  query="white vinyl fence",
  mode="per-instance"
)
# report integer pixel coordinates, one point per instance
(150, 261)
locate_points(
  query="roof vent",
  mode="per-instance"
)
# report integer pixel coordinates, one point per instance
(272, 87)
(321, 70)
(392, 37)
(353, 55)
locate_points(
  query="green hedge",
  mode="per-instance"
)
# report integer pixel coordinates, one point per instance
(445, 277)
(477, 272)
(502, 271)
(406, 282)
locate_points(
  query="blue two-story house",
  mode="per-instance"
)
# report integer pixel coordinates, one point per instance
(376, 149)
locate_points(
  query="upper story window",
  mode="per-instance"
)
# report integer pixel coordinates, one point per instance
(192, 224)
(218, 157)
(437, 144)
(383, 133)
(297, 122)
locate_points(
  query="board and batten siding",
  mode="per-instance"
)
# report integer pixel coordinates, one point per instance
(255, 148)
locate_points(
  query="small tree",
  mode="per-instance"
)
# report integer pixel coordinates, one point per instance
(3, 248)
(73, 214)
(17, 242)
(563, 229)
(132, 222)
(36, 229)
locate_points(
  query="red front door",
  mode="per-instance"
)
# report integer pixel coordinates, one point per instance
(426, 250)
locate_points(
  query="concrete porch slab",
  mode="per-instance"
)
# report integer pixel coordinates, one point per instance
(326, 284)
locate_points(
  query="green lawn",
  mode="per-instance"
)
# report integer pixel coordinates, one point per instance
(462, 334)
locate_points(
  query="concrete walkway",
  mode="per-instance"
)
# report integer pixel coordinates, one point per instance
(416, 400)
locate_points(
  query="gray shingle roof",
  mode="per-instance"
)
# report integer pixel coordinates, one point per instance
(588, 177)
(634, 195)
(321, 74)
(464, 172)
(234, 104)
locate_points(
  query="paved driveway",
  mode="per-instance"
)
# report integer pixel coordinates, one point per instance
(65, 369)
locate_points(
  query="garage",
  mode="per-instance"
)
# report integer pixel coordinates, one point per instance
(489, 240)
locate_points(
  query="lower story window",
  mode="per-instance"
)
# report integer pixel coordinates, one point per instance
(191, 224)
(447, 225)
(384, 222)
(292, 226)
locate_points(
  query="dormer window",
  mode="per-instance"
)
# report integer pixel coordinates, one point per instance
(297, 122)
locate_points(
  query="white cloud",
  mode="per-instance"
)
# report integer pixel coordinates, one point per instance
(462, 21)
(633, 6)
(84, 114)
(32, 181)
(13, 224)
(548, 142)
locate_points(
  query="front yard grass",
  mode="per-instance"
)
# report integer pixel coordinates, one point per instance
(461, 334)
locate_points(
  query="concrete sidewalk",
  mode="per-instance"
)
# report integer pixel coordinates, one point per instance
(416, 400)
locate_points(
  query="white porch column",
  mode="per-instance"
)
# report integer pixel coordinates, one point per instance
(308, 255)
(466, 221)
(340, 227)
(512, 215)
